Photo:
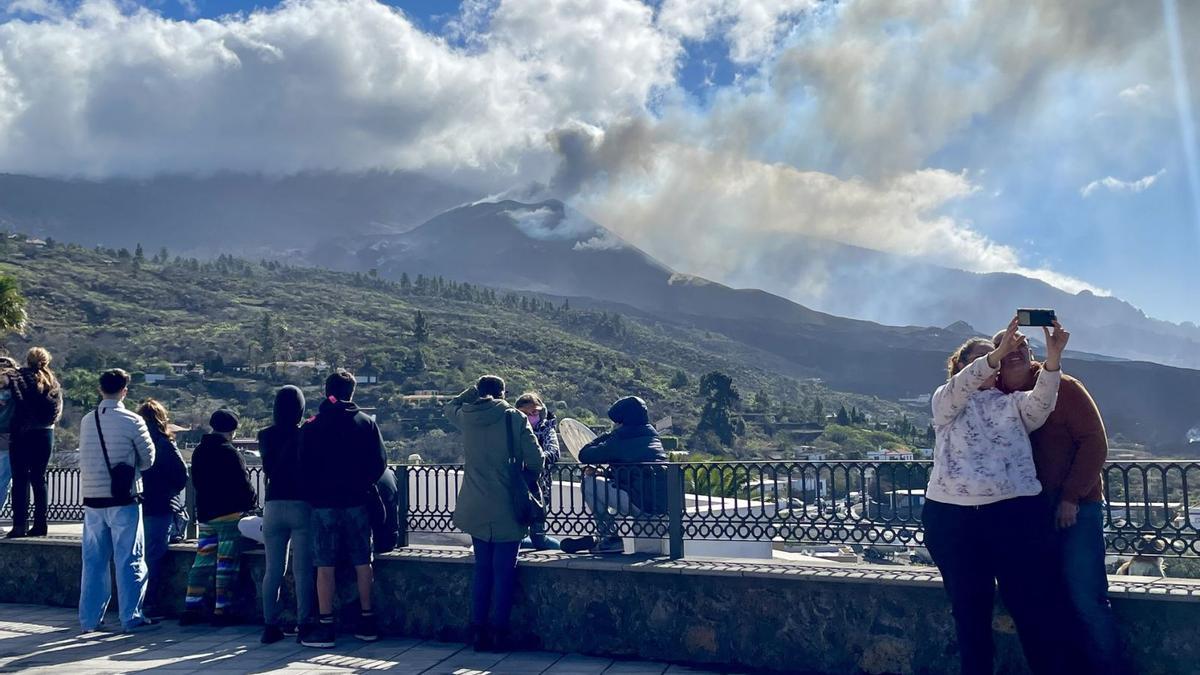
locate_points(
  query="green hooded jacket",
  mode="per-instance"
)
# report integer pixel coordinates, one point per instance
(485, 500)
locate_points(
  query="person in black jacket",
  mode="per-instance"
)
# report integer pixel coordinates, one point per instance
(223, 494)
(39, 406)
(341, 458)
(163, 485)
(632, 486)
(287, 518)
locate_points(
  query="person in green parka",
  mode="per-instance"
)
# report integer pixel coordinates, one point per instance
(485, 501)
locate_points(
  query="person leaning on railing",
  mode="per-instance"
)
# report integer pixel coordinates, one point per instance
(492, 431)
(628, 487)
(162, 498)
(984, 518)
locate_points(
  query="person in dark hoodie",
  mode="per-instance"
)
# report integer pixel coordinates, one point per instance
(287, 518)
(631, 486)
(163, 487)
(223, 494)
(341, 458)
(485, 508)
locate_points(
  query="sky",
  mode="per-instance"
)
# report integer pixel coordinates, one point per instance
(1051, 139)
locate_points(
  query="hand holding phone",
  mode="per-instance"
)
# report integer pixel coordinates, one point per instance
(1036, 317)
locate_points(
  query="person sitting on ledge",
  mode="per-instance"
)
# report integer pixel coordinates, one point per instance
(223, 494)
(630, 488)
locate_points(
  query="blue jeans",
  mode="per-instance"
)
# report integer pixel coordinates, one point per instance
(5, 473)
(1082, 548)
(495, 582)
(115, 534)
(158, 538)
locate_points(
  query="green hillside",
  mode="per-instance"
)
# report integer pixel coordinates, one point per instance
(103, 308)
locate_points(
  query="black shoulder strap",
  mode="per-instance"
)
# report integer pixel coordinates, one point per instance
(512, 446)
(103, 445)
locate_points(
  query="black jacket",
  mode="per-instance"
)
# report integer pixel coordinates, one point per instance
(36, 409)
(279, 445)
(386, 534)
(633, 445)
(341, 456)
(164, 482)
(220, 478)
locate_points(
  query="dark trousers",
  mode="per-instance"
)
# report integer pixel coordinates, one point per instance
(1010, 543)
(29, 456)
(1081, 551)
(495, 582)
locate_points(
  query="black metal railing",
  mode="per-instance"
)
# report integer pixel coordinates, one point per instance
(1152, 507)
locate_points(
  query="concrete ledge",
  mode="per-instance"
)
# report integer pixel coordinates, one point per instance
(783, 617)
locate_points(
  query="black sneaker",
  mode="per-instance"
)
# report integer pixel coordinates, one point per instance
(38, 530)
(367, 630)
(609, 545)
(320, 635)
(577, 544)
(291, 630)
(271, 635)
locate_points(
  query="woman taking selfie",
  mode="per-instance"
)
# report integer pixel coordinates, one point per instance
(984, 517)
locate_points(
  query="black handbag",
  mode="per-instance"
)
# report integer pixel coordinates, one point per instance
(121, 476)
(527, 504)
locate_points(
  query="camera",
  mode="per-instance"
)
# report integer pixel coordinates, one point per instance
(1035, 317)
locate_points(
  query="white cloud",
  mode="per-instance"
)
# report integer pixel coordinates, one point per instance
(752, 27)
(315, 84)
(1117, 185)
(1136, 93)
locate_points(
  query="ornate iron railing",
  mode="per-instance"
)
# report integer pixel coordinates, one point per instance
(1150, 507)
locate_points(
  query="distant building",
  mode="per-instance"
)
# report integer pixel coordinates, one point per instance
(295, 368)
(882, 455)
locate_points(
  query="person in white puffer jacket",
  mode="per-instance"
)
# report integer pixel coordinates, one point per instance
(984, 518)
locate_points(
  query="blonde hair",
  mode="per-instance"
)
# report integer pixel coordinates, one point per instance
(531, 398)
(957, 360)
(155, 414)
(38, 361)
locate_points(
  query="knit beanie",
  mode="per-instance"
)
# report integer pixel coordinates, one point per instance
(223, 421)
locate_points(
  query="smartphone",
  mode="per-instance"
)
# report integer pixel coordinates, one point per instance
(1035, 317)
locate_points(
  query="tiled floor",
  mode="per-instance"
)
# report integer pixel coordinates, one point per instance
(46, 639)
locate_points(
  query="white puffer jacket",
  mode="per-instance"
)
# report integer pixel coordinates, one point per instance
(982, 453)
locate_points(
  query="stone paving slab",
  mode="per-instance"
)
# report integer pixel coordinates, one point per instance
(37, 639)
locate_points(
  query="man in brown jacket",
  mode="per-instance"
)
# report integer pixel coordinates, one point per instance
(1069, 451)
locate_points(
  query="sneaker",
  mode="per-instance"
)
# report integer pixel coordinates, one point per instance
(319, 635)
(271, 635)
(367, 629)
(15, 533)
(145, 625)
(38, 530)
(291, 630)
(577, 544)
(154, 614)
(609, 545)
(190, 618)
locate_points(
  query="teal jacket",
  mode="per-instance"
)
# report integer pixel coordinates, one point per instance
(485, 500)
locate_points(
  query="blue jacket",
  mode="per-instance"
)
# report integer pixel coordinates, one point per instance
(636, 445)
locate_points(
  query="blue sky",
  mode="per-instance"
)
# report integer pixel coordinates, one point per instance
(1038, 139)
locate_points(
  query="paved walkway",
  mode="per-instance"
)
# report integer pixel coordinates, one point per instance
(34, 638)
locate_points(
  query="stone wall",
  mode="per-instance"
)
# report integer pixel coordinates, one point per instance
(758, 616)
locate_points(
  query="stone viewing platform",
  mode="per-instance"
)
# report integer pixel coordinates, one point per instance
(46, 639)
(715, 615)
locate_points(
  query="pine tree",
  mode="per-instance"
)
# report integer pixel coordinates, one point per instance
(718, 415)
(420, 328)
(680, 380)
(405, 282)
(139, 254)
(762, 402)
(818, 410)
(843, 417)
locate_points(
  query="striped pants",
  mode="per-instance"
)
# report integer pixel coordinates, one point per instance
(217, 555)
